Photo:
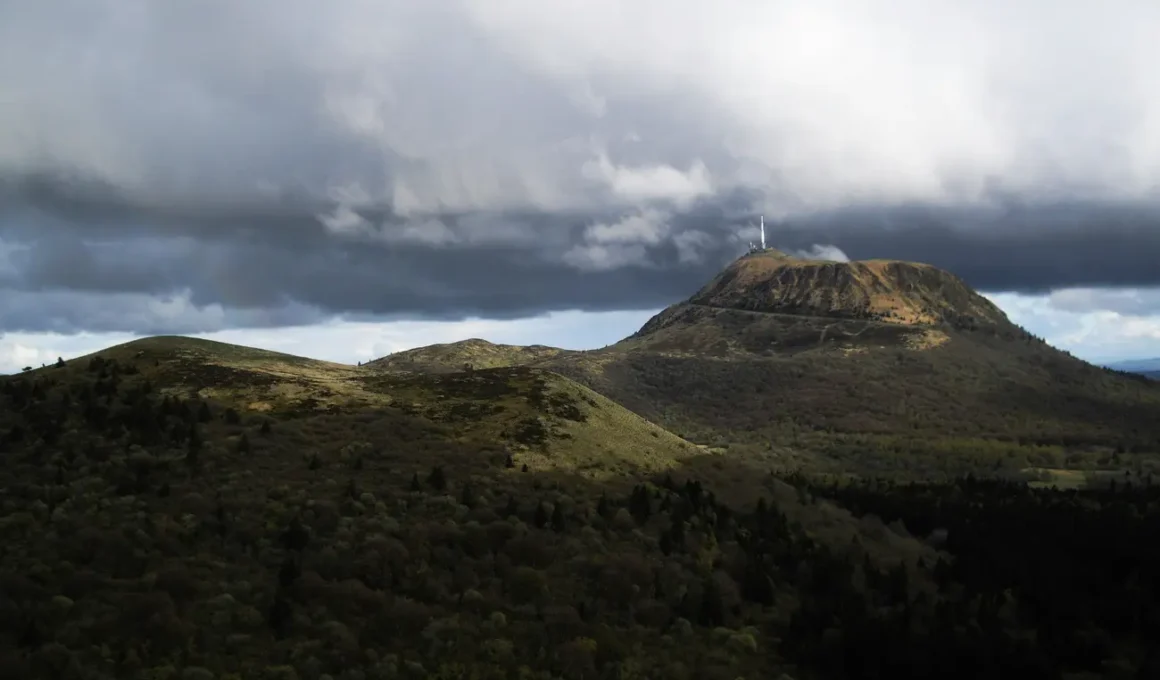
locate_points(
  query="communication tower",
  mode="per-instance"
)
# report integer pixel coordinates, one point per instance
(753, 247)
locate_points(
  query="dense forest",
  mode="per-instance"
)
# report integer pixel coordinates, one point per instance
(144, 535)
(1074, 574)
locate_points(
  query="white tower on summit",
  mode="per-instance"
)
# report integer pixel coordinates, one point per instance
(753, 247)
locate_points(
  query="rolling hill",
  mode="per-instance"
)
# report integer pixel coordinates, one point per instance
(1145, 367)
(1137, 365)
(457, 356)
(174, 507)
(536, 415)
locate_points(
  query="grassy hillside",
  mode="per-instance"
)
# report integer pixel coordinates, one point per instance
(178, 508)
(457, 356)
(869, 368)
(181, 509)
(877, 398)
(542, 418)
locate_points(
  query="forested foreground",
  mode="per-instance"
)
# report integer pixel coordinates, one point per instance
(143, 535)
(1074, 573)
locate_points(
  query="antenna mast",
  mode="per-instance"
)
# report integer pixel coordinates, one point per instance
(753, 248)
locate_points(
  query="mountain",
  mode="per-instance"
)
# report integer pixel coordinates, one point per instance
(902, 293)
(1148, 367)
(872, 366)
(1136, 365)
(877, 367)
(770, 304)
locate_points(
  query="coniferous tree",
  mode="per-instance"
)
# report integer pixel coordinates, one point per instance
(603, 508)
(280, 615)
(289, 572)
(295, 538)
(193, 449)
(467, 495)
(640, 504)
(666, 543)
(437, 479)
(558, 519)
(757, 586)
(30, 637)
(712, 611)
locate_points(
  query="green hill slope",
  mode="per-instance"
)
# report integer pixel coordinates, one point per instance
(178, 508)
(456, 356)
(879, 367)
(874, 367)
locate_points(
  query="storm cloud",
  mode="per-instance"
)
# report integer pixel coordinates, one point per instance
(193, 166)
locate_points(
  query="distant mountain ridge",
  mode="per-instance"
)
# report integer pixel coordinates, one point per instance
(1145, 366)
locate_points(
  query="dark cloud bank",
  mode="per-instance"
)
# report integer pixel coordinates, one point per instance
(190, 166)
(83, 257)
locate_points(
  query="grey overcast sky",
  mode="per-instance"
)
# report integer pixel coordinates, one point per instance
(345, 178)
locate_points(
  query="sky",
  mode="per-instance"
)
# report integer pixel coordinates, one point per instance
(346, 178)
